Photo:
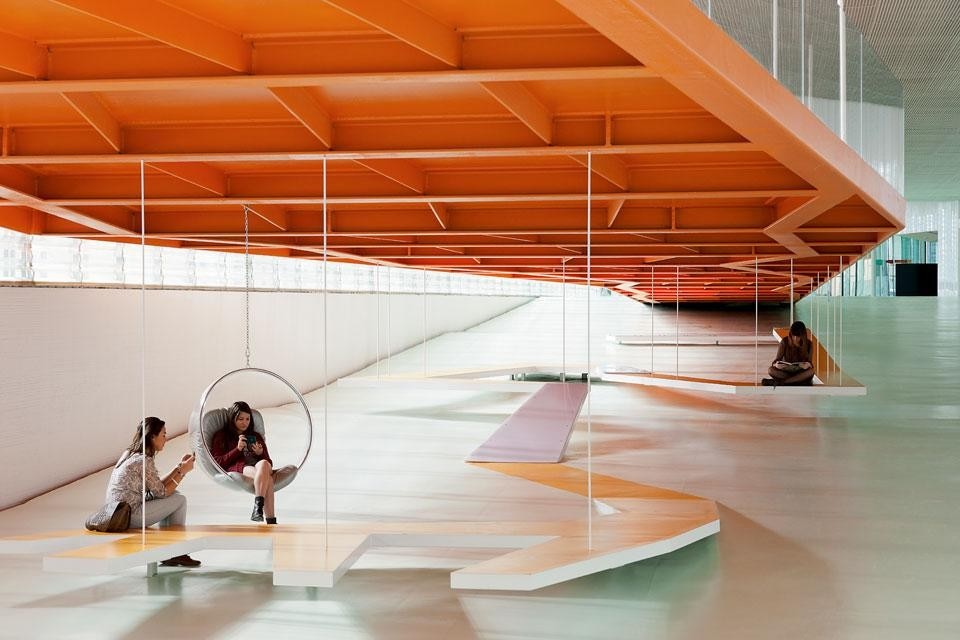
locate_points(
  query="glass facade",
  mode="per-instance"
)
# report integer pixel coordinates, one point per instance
(932, 235)
(825, 62)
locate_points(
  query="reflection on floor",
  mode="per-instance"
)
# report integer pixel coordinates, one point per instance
(839, 514)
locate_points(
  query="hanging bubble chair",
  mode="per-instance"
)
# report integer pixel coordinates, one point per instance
(208, 418)
(209, 415)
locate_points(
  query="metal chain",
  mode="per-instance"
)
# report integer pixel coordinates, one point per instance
(246, 275)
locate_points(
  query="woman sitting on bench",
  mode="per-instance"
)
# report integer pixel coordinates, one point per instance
(164, 504)
(793, 364)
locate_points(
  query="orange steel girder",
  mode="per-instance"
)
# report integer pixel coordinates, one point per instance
(456, 136)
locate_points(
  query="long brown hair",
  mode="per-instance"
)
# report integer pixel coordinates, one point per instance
(154, 426)
(799, 330)
(234, 412)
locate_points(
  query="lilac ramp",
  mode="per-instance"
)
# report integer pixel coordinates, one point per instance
(539, 430)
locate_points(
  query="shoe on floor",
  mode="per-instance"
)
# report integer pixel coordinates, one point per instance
(180, 561)
(768, 382)
(271, 521)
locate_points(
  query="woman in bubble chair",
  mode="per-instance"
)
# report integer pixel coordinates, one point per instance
(237, 447)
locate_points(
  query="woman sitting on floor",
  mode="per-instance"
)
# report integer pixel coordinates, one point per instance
(793, 364)
(164, 505)
(237, 447)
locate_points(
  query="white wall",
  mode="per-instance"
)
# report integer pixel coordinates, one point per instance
(70, 361)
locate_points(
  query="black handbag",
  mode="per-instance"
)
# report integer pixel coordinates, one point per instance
(110, 518)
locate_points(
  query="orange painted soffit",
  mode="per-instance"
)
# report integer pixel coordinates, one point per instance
(456, 135)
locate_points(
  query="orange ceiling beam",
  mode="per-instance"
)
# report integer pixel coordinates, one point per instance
(22, 56)
(403, 172)
(198, 174)
(303, 106)
(696, 56)
(172, 26)
(92, 109)
(455, 132)
(519, 101)
(16, 188)
(386, 154)
(410, 236)
(274, 215)
(263, 81)
(440, 213)
(446, 198)
(610, 168)
(408, 24)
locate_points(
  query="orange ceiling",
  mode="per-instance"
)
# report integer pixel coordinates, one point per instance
(456, 134)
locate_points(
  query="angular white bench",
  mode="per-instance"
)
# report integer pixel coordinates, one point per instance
(719, 340)
(539, 430)
(828, 381)
(635, 522)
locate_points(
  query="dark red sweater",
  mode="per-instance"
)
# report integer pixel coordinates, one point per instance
(225, 452)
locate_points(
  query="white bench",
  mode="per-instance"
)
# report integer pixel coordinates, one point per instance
(829, 380)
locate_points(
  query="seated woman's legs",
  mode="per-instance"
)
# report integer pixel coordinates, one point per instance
(783, 377)
(800, 377)
(168, 511)
(777, 374)
(269, 493)
(262, 476)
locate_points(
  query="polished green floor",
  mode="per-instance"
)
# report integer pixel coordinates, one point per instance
(839, 515)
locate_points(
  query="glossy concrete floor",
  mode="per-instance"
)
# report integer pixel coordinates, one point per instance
(839, 515)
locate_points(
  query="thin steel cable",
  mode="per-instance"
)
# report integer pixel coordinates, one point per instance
(563, 323)
(842, 60)
(775, 44)
(589, 387)
(833, 326)
(861, 95)
(246, 286)
(651, 318)
(840, 329)
(424, 322)
(756, 318)
(376, 272)
(143, 355)
(389, 299)
(326, 381)
(791, 290)
(803, 77)
(816, 295)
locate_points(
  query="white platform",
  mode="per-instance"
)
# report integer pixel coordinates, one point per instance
(732, 388)
(634, 522)
(730, 340)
